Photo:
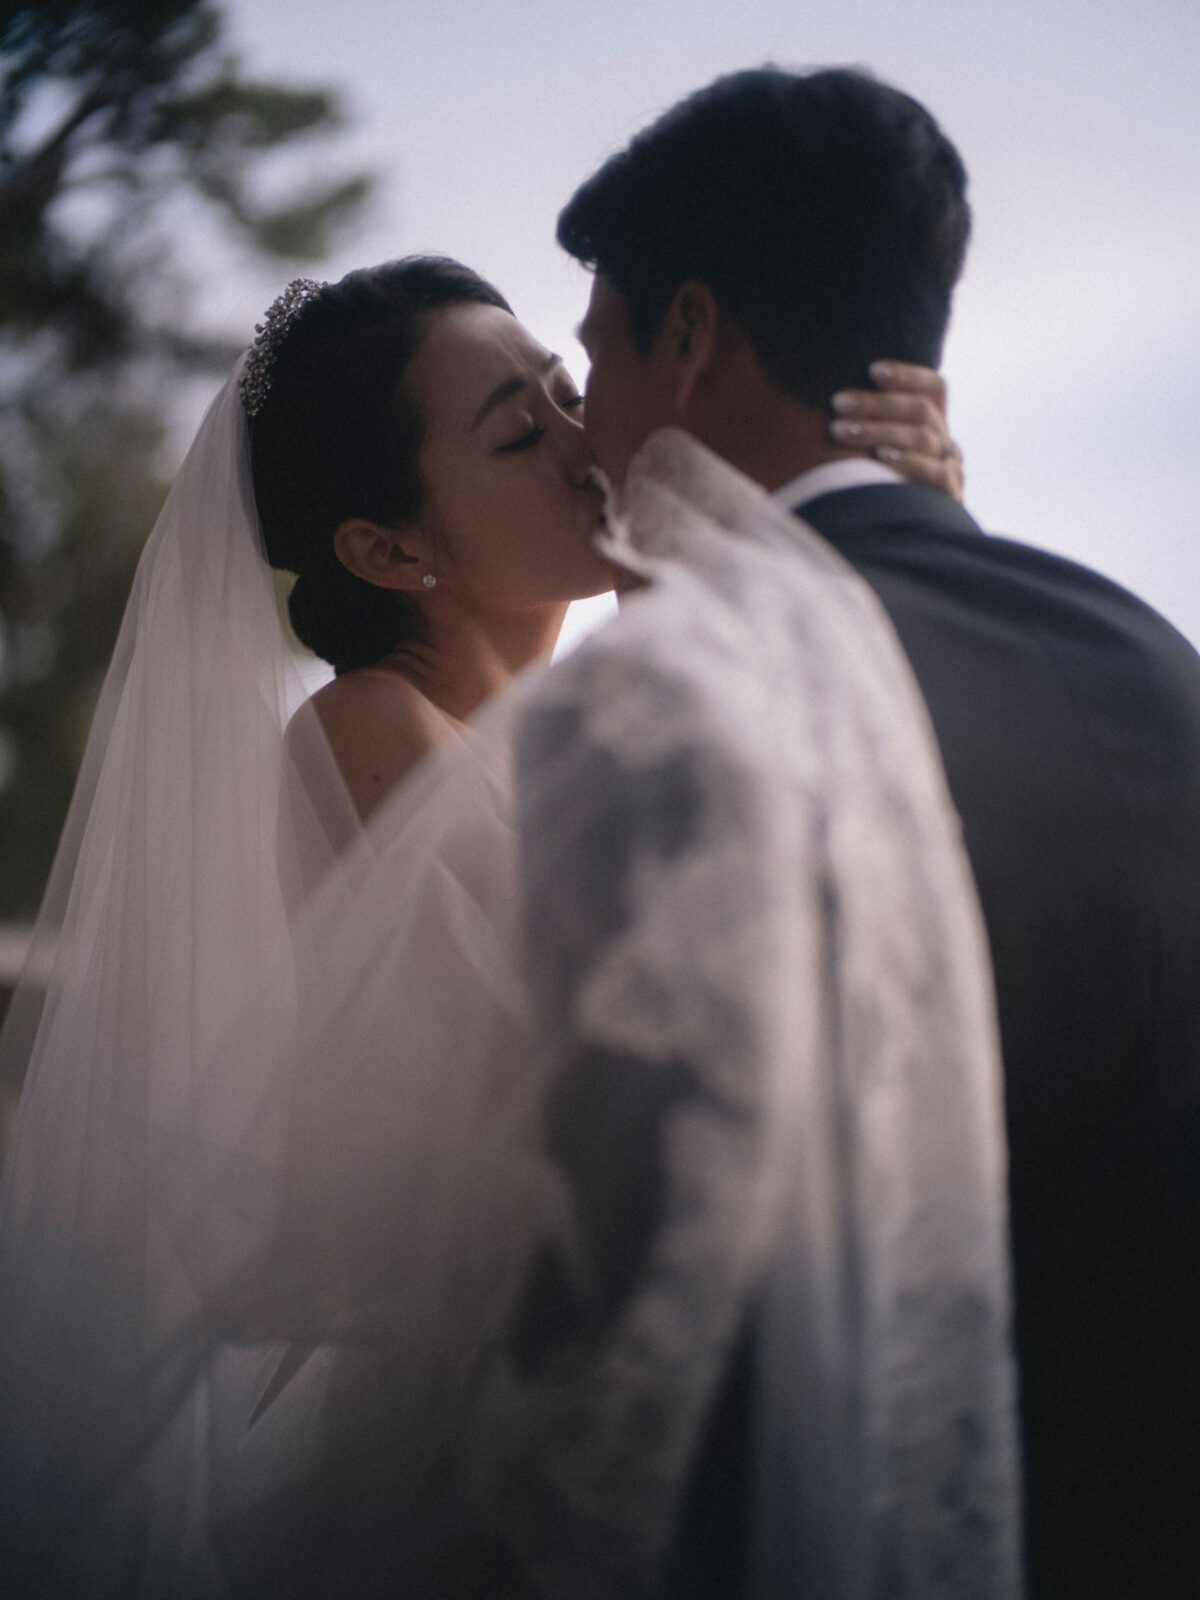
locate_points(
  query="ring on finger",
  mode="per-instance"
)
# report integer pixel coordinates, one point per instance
(949, 451)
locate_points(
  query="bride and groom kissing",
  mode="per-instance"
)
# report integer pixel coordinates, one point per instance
(664, 1012)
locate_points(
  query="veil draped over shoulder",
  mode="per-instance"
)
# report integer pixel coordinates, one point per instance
(761, 975)
(281, 1166)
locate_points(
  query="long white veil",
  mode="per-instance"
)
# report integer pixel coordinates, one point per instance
(248, 1283)
(165, 911)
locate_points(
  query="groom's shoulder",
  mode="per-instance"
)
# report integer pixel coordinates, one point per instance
(923, 553)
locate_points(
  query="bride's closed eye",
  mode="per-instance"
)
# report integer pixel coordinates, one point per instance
(525, 442)
(535, 435)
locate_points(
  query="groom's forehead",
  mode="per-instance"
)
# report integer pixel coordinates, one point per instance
(607, 313)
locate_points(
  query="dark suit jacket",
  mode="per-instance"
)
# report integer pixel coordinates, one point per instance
(1068, 714)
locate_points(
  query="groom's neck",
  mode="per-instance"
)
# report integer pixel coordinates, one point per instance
(762, 431)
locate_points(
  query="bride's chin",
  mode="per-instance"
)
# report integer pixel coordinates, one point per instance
(604, 578)
(601, 580)
(606, 585)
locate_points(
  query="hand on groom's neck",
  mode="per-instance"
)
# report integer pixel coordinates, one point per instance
(744, 416)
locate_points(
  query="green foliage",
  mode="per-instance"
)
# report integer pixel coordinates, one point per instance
(111, 111)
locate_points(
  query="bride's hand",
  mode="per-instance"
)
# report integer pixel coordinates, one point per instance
(902, 422)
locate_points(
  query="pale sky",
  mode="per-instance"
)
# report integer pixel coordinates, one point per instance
(1074, 354)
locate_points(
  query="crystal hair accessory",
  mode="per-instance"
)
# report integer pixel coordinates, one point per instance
(271, 331)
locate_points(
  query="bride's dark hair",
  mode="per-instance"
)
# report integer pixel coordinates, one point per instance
(337, 436)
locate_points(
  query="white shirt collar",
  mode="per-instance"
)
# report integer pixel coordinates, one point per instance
(852, 472)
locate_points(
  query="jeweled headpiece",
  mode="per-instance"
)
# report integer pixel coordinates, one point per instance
(272, 331)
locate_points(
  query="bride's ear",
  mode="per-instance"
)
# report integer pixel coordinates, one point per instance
(379, 555)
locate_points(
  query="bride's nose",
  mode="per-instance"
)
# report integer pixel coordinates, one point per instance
(576, 452)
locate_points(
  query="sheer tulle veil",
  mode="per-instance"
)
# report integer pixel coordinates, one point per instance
(164, 915)
(244, 1188)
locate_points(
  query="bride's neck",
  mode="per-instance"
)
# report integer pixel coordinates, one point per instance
(468, 658)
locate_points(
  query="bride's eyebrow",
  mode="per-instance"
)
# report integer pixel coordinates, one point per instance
(511, 386)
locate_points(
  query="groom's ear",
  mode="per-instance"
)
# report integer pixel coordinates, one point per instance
(689, 337)
(379, 555)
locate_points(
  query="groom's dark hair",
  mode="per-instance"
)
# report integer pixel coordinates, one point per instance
(826, 211)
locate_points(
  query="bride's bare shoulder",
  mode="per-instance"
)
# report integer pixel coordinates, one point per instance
(377, 726)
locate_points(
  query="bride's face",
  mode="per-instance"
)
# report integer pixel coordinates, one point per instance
(509, 509)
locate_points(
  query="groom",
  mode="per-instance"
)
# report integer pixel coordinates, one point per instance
(754, 250)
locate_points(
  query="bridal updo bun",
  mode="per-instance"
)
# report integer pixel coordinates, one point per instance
(336, 436)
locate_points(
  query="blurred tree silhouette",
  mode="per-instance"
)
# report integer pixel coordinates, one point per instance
(110, 112)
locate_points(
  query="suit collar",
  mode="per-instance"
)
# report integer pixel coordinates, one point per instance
(829, 477)
(880, 506)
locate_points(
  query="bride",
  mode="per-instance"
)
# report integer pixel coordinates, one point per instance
(222, 1334)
